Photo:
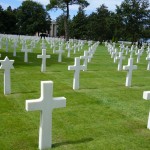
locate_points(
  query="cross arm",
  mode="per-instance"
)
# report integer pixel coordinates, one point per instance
(126, 67)
(59, 102)
(71, 67)
(34, 104)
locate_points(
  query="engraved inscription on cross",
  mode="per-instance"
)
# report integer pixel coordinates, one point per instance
(76, 67)
(46, 103)
(7, 64)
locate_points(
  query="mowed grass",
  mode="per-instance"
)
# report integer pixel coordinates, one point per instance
(102, 115)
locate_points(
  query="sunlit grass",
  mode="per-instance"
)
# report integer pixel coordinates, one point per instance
(102, 115)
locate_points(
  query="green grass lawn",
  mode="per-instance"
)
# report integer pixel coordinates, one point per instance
(102, 115)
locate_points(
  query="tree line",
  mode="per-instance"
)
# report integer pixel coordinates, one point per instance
(130, 21)
(28, 19)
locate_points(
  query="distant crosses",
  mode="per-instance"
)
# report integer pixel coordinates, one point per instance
(76, 67)
(7, 64)
(44, 57)
(120, 57)
(45, 104)
(59, 52)
(130, 67)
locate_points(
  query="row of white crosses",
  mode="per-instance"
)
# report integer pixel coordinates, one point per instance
(77, 67)
(46, 103)
(146, 94)
(130, 67)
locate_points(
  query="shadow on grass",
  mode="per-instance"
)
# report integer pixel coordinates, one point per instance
(23, 92)
(72, 142)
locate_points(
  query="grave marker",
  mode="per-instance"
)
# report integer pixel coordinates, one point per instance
(60, 51)
(7, 64)
(130, 67)
(26, 51)
(120, 57)
(85, 57)
(43, 56)
(45, 104)
(76, 67)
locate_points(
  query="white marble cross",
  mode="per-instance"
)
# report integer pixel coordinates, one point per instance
(148, 58)
(115, 54)
(139, 53)
(15, 45)
(45, 104)
(75, 48)
(60, 51)
(26, 51)
(85, 58)
(146, 96)
(68, 49)
(76, 67)
(131, 51)
(127, 49)
(7, 64)
(120, 57)
(148, 124)
(130, 67)
(43, 56)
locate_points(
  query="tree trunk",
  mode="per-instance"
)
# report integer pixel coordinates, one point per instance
(66, 23)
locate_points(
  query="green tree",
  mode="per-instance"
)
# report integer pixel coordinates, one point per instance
(79, 25)
(64, 5)
(1, 19)
(60, 23)
(32, 18)
(7, 20)
(134, 14)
